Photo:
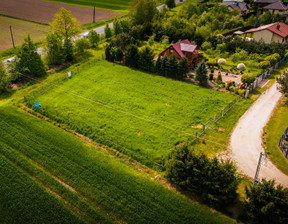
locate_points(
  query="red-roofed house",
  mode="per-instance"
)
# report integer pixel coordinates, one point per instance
(183, 49)
(275, 32)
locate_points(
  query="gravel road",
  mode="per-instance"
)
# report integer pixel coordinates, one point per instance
(246, 139)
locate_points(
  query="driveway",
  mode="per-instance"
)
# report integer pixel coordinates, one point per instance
(246, 139)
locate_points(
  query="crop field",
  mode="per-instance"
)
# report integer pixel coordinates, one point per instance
(129, 110)
(115, 5)
(20, 30)
(42, 11)
(55, 167)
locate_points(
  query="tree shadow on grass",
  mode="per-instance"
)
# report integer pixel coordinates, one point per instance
(6, 94)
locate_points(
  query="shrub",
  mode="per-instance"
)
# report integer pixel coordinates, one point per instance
(219, 78)
(221, 61)
(241, 92)
(229, 84)
(221, 47)
(82, 44)
(248, 79)
(206, 45)
(264, 64)
(241, 66)
(211, 76)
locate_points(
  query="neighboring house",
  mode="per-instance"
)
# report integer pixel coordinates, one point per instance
(275, 32)
(183, 49)
(263, 3)
(276, 7)
(239, 5)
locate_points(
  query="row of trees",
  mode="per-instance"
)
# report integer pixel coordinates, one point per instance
(215, 180)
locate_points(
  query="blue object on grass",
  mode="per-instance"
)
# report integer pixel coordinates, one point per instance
(38, 105)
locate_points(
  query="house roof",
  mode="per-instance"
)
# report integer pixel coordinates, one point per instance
(240, 6)
(184, 46)
(265, 1)
(273, 27)
(276, 6)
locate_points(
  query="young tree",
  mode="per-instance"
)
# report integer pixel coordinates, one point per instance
(108, 31)
(54, 49)
(283, 83)
(277, 18)
(219, 78)
(143, 11)
(132, 56)
(68, 48)
(119, 54)
(201, 74)
(108, 52)
(82, 44)
(266, 18)
(164, 66)
(117, 27)
(94, 38)
(146, 59)
(4, 77)
(171, 4)
(172, 67)
(183, 67)
(30, 61)
(267, 203)
(65, 24)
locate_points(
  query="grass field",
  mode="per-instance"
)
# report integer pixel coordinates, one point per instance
(95, 187)
(115, 105)
(273, 132)
(115, 5)
(20, 30)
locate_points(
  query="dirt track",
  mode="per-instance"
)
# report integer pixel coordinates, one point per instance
(42, 11)
(246, 139)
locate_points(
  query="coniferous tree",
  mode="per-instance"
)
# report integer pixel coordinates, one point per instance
(172, 67)
(164, 66)
(30, 61)
(146, 59)
(183, 68)
(132, 56)
(201, 74)
(158, 64)
(107, 31)
(117, 27)
(171, 4)
(68, 48)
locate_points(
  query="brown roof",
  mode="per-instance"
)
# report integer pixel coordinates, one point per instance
(277, 6)
(280, 29)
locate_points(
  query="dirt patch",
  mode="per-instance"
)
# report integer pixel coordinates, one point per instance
(200, 126)
(42, 11)
(220, 128)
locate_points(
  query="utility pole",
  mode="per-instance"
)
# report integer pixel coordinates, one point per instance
(258, 169)
(94, 15)
(12, 36)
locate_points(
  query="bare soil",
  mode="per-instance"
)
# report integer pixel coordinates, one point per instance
(42, 11)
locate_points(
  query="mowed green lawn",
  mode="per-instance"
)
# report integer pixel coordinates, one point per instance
(130, 110)
(20, 29)
(114, 5)
(42, 165)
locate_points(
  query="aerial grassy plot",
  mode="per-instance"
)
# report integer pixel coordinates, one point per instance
(130, 110)
(85, 184)
(115, 5)
(20, 30)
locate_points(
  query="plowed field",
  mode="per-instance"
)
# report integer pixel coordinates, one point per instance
(42, 11)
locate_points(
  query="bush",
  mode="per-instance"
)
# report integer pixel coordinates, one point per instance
(206, 45)
(211, 76)
(82, 44)
(219, 78)
(248, 79)
(229, 84)
(221, 61)
(264, 64)
(241, 92)
(221, 47)
(241, 66)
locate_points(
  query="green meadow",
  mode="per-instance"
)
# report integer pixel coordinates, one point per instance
(44, 166)
(134, 112)
(114, 5)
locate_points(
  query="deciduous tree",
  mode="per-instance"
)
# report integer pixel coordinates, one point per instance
(107, 31)
(94, 38)
(82, 44)
(283, 83)
(54, 49)
(171, 4)
(4, 77)
(143, 11)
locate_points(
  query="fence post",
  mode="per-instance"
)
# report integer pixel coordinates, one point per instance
(214, 120)
(246, 93)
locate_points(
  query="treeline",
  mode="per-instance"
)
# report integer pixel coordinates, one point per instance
(214, 180)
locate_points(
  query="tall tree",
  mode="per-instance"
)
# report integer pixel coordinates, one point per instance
(117, 27)
(164, 66)
(201, 74)
(283, 83)
(132, 56)
(143, 11)
(172, 67)
(94, 38)
(267, 203)
(107, 31)
(183, 68)
(4, 77)
(146, 58)
(65, 24)
(30, 61)
(54, 49)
